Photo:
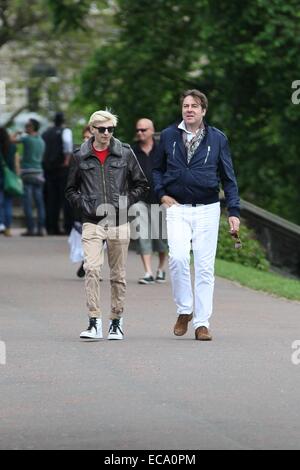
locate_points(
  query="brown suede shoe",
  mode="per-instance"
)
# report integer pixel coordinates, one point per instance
(202, 334)
(181, 326)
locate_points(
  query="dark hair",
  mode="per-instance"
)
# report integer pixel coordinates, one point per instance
(4, 141)
(86, 129)
(197, 95)
(35, 124)
(59, 119)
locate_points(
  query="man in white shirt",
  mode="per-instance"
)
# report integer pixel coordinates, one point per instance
(192, 162)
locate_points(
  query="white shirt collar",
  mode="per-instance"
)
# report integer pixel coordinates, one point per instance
(182, 126)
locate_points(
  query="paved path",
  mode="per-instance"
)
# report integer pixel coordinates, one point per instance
(153, 390)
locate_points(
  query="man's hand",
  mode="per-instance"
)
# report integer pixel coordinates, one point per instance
(168, 201)
(234, 223)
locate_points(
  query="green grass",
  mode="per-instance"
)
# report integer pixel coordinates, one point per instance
(259, 280)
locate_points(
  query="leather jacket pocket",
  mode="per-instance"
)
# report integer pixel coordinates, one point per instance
(118, 164)
(117, 178)
(89, 205)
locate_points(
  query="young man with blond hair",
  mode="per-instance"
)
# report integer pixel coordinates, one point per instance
(104, 172)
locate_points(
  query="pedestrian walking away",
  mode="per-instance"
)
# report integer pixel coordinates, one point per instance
(59, 148)
(193, 159)
(9, 157)
(103, 172)
(152, 226)
(33, 177)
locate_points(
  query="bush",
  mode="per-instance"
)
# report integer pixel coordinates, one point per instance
(251, 254)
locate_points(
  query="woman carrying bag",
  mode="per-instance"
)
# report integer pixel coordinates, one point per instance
(8, 163)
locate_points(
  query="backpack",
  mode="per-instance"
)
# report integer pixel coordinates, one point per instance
(54, 155)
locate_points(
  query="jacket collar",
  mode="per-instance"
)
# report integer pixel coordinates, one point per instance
(181, 126)
(115, 148)
(179, 138)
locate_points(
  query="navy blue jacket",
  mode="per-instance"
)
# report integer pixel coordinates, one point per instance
(199, 181)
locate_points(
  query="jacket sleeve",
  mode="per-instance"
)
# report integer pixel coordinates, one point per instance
(159, 168)
(228, 179)
(138, 186)
(72, 193)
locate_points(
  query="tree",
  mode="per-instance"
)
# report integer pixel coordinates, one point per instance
(16, 19)
(253, 53)
(244, 56)
(44, 46)
(144, 70)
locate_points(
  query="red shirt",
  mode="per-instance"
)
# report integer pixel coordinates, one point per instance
(101, 154)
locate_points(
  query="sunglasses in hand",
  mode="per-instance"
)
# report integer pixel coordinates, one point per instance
(237, 240)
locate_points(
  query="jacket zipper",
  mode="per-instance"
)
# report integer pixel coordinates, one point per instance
(174, 148)
(103, 178)
(208, 152)
(104, 184)
(104, 192)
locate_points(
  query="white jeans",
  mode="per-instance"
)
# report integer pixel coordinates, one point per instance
(199, 226)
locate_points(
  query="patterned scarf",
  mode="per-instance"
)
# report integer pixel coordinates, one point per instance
(192, 146)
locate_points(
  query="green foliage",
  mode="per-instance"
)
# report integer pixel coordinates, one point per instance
(251, 254)
(144, 71)
(245, 56)
(46, 44)
(68, 14)
(17, 19)
(255, 48)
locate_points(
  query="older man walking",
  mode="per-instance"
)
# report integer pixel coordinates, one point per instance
(193, 159)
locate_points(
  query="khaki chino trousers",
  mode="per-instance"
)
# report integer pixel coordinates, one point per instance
(117, 238)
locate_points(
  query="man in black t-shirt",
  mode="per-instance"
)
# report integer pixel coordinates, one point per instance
(151, 239)
(59, 148)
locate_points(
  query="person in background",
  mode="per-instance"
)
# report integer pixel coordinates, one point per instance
(86, 133)
(33, 177)
(76, 249)
(145, 150)
(193, 160)
(59, 148)
(9, 157)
